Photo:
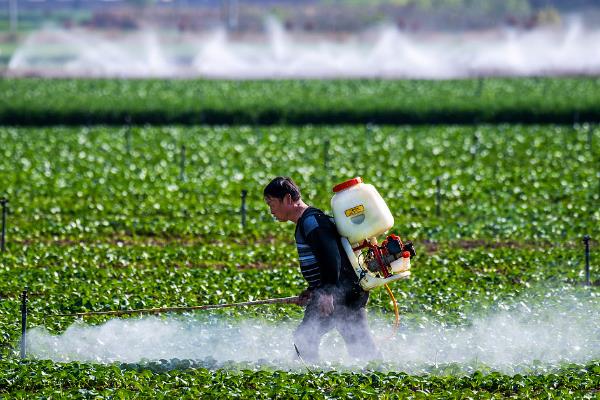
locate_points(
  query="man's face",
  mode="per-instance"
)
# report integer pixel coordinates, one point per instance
(279, 207)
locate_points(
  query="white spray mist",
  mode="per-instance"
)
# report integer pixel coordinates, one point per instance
(564, 330)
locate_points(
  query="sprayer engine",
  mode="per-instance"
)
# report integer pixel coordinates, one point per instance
(389, 257)
(376, 265)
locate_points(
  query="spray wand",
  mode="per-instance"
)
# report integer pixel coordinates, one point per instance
(281, 300)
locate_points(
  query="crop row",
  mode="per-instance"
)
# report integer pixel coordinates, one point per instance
(514, 183)
(49, 380)
(494, 100)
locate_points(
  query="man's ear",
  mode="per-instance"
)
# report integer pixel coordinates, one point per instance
(288, 199)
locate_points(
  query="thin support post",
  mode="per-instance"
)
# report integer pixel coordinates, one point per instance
(128, 140)
(326, 155)
(586, 242)
(128, 134)
(368, 134)
(182, 164)
(23, 323)
(438, 196)
(3, 201)
(480, 84)
(243, 207)
(475, 145)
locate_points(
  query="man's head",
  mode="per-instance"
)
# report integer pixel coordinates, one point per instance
(282, 196)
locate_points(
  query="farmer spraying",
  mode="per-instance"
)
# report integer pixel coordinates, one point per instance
(334, 298)
(340, 258)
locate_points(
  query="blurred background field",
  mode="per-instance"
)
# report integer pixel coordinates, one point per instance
(327, 38)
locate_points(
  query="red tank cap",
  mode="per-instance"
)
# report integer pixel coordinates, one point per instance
(405, 254)
(347, 184)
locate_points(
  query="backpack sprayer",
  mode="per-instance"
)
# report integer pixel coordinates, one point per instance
(361, 215)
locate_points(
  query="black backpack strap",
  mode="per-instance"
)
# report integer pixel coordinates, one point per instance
(319, 214)
(301, 222)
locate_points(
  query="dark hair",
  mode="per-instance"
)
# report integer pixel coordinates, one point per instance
(281, 186)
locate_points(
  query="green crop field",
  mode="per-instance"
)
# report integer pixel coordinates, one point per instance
(121, 216)
(508, 182)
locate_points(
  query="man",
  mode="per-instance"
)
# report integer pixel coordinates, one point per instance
(333, 298)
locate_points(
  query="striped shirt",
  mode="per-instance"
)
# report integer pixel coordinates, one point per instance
(308, 261)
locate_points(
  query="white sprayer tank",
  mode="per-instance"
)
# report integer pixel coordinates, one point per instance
(359, 211)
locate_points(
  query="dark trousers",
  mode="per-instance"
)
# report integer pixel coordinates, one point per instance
(349, 318)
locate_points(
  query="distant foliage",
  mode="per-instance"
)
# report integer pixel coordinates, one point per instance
(112, 101)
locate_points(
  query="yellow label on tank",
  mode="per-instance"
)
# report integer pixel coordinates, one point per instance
(354, 210)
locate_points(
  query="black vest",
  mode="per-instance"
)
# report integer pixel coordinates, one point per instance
(313, 218)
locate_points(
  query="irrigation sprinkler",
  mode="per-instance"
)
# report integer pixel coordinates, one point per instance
(280, 300)
(586, 242)
(243, 207)
(182, 164)
(3, 201)
(438, 196)
(23, 323)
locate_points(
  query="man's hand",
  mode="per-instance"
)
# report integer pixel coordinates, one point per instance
(304, 297)
(326, 304)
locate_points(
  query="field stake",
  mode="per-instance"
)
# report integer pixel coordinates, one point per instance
(3, 201)
(326, 155)
(438, 196)
(128, 134)
(368, 132)
(182, 164)
(24, 323)
(128, 140)
(480, 85)
(586, 242)
(544, 87)
(475, 145)
(243, 207)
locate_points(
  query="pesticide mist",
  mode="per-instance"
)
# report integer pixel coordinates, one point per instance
(560, 329)
(383, 52)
